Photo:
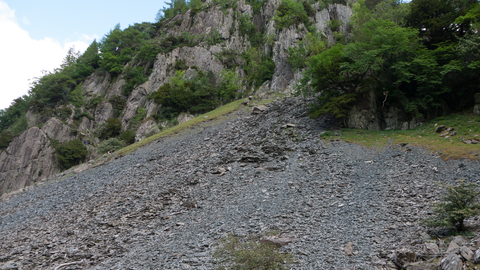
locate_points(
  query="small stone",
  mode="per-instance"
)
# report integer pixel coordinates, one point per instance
(348, 249)
(259, 109)
(277, 240)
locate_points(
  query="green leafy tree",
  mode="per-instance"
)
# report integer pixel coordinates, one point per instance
(112, 128)
(460, 202)
(70, 153)
(127, 136)
(434, 19)
(290, 12)
(5, 138)
(229, 85)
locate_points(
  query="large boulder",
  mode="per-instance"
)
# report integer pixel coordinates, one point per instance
(451, 262)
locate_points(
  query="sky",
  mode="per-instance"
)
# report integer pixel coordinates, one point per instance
(36, 35)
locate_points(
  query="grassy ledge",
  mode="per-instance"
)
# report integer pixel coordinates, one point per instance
(221, 111)
(466, 127)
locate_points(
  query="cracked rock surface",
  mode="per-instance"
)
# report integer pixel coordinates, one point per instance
(166, 205)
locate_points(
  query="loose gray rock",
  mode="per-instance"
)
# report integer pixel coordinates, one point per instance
(451, 262)
(404, 257)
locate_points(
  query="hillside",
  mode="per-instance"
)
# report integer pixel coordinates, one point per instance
(169, 204)
(371, 64)
(149, 76)
(119, 160)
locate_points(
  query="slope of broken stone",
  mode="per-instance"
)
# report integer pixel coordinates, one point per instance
(166, 205)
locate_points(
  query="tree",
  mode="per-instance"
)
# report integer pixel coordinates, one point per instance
(112, 128)
(458, 204)
(70, 153)
(435, 19)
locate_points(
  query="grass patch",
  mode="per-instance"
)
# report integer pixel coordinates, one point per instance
(466, 125)
(221, 111)
(249, 253)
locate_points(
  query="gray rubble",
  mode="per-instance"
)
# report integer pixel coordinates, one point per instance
(166, 205)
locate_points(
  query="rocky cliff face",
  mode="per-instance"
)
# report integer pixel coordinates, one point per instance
(30, 157)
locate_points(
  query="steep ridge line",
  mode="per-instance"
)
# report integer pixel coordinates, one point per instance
(166, 205)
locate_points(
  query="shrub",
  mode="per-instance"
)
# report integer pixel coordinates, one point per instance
(128, 137)
(141, 113)
(109, 145)
(228, 58)
(118, 104)
(290, 12)
(181, 65)
(83, 114)
(458, 204)
(111, 129)
(196, 95)
(229, 85)
(335, 24)
(92, 104)
(5, 138)
(70, 153)
(250, 253)
(133, 77)
(64, 112)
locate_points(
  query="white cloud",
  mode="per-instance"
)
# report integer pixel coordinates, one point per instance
(25, 21)
(23, 58)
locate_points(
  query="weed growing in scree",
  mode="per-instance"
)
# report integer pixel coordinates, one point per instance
(459, 203)
(249, 253)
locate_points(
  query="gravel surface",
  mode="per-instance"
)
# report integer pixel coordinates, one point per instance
(168, 204)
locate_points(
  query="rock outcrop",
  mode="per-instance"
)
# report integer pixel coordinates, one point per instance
(22, 166)
(30, 157)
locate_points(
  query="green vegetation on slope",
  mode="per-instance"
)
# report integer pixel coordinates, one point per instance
(466, 127)
(427, 69)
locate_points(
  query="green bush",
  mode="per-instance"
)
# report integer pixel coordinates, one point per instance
(111, 129)
(111, 144)
(133, 78)
(213, 37)
(246, 27)
(256, 5)
(118, 104)
(228, 57)
(139, 116)
(335, 24)
(290, 12)
(181, 65)
(5, 138)
(83, 114)
(92, 104)
(229, 85)
(458, 204)
(258, 68)
(64, 112)
(70, 153)
(250, 253)
(127, 136)
(195, 95)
